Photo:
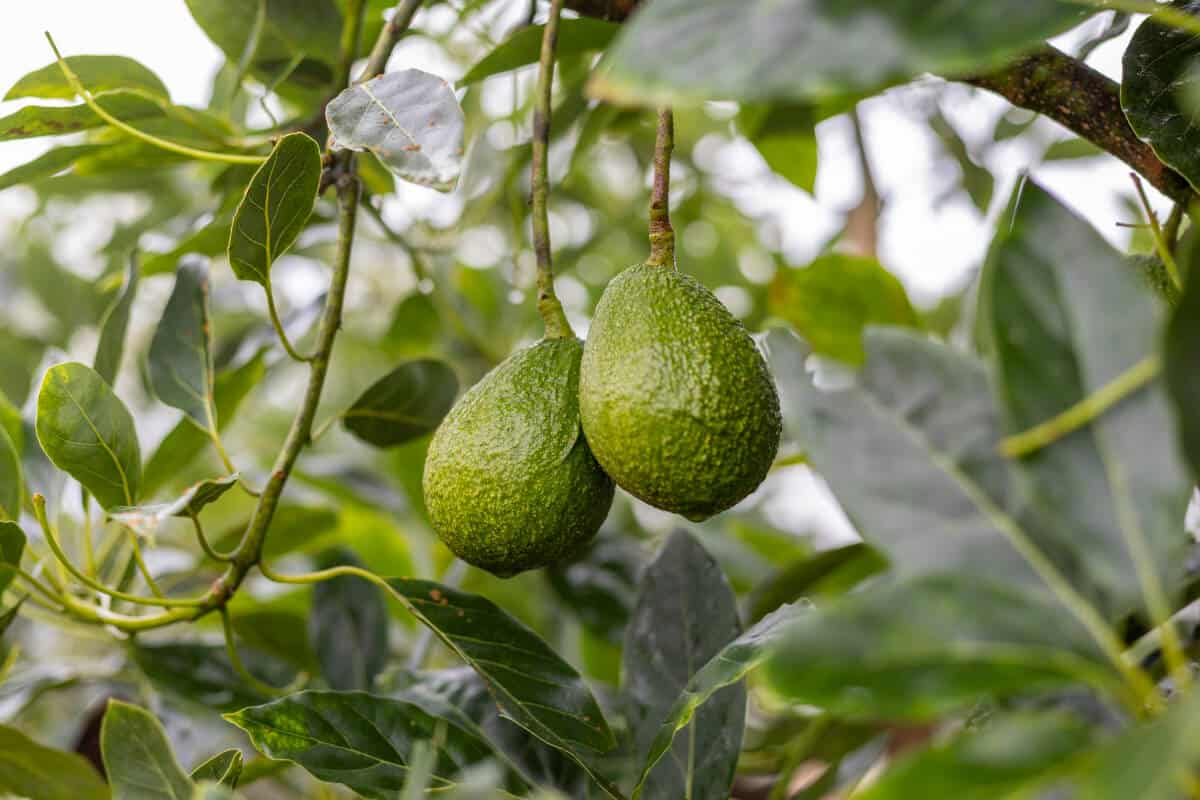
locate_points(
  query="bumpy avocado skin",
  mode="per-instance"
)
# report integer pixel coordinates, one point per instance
(677, 402)
(510, 483)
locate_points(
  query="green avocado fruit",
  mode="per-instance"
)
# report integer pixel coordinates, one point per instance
(677, 402)
(510, 483)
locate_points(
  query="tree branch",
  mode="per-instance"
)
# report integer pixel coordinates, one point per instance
(1047, 81)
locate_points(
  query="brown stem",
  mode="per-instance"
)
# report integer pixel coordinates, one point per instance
(662, 235)
(1047, 81)
(548, 305)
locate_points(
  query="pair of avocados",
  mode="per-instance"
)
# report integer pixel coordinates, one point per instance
(669, 396)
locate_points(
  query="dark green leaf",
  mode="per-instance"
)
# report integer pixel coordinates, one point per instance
(348, 629)
(96, 73)
(832, 301)
(523, 47)
(114, 324)
(278, 203)
(727, 667)
(786, 137)
(686, 614)
(180, 360)
(224, 768)
(532, 684)
(921, 649)
(362, 741)
(27, 769)
(292, 27)
(1067, 317)
(676, 51)
(828, 573)
(32, 121)
(403, 405)
(49, 163)
(1182, 367)
(138, 756)
(7, 617)
(1160, 92)
(12, 546)
(1069, 149)
(1006, 757)
(600, 584)
(146, 520)
(185, 441)
(11, 482)
(410, 120)
(88, 433)
(202, 673)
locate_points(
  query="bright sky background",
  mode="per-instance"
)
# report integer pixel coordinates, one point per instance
(933, 248)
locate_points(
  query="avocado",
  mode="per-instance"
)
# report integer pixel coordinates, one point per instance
(677, 402)
(510, 483)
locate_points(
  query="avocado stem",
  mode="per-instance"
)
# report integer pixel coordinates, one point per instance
(548, 306)
(662, 235)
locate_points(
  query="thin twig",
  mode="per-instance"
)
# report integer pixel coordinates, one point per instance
(548, 304)
(1160, 240)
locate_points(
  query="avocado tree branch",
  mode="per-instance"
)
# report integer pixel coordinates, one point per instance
(662, 235)
(1047, 81)
(548, 305)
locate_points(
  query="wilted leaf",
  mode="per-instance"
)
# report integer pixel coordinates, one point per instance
(180, 360)
(409, 119)
(88, 433)
(27, 769)
(831, 301)
(146, 520)
(114, 324)
(138, 756)
(278, 202)
(407, 403)
(686, 614)
(678, 51)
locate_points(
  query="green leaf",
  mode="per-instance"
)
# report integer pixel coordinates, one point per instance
(11, 482)
(202, 673)
(686, 614)
(360, 740)
(827, 573)
(7, 617)
(88, 433)
(180, 359)
(1008, 756)
(31, 121)
(1067, 316)
(114, 324)
(146, 520)
(138, 756)
(921, 649)
(831, 301)
(12, 546)
(185, 441)
(600, 584)
(96, 73)
(407, 403)
(410, 120)
(49, 163)
(210, 240)
(732, 663)
(292, 27)
(278, 202)
(348, 629)
(1151, 761)
(575, 36)
(1160, 92)
(224, 768)
(213, 791)
(534, 687)
(681, 51)
(27, 769)
(786, 137)
(1181, 364)
(977, 181)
